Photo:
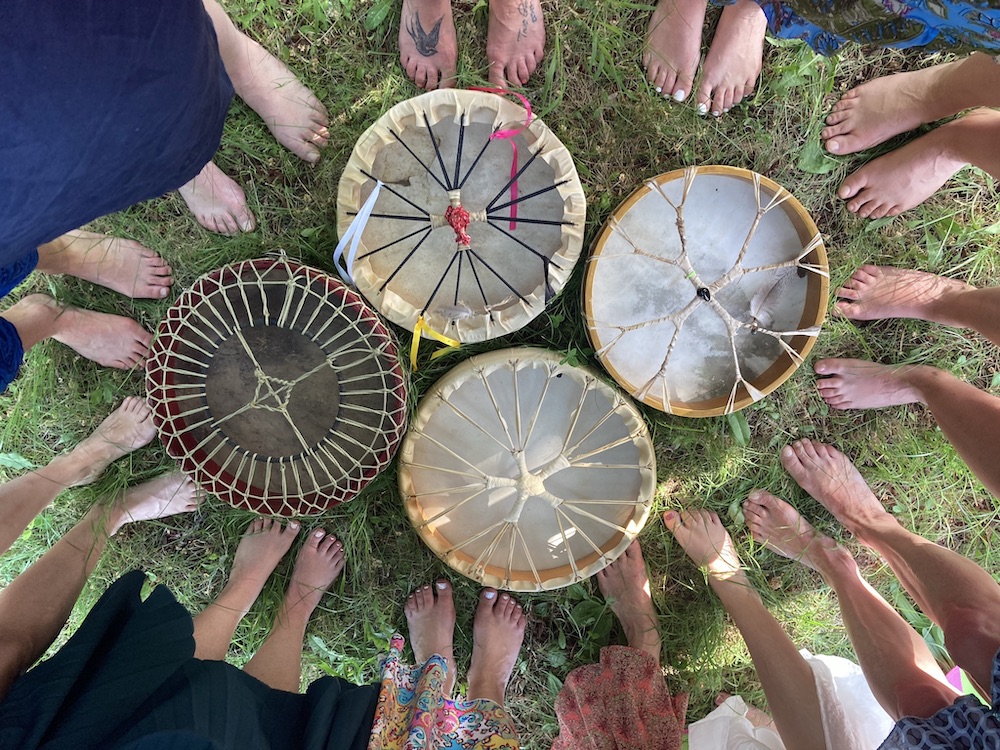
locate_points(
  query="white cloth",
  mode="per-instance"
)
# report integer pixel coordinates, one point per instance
(852, 718)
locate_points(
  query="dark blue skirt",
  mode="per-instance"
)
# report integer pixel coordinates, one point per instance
(103, 103)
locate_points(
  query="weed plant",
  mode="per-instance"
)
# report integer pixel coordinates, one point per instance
(590, 90)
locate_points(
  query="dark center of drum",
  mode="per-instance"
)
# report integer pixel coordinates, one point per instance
(276, 394)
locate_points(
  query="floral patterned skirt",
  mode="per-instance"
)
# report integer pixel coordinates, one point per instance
(622, 703)
(414, 713)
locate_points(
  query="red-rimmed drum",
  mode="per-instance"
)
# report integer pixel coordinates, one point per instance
(277, 387)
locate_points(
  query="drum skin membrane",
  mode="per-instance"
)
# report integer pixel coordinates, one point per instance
(276, 387)
(524, 473)
(434, 149)
(705, 290)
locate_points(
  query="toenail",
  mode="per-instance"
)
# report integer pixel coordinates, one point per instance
(659, 89)
(832, 146)
(716, 113)
(442, 585)
(702, 109)
(505, 597)
(679, 95)
(490, 594)
(319, 534)
(293, 524)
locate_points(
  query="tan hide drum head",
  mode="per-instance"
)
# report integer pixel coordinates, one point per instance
(525, 473)
(276, 387)
(435, 152)
(705, 290)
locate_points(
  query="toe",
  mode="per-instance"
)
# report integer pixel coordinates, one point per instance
(523, 74)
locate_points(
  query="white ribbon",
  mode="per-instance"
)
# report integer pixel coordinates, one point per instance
(353, 235)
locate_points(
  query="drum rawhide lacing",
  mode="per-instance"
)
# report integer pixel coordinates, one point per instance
(277, 387)
(759, 319)
(548, 446)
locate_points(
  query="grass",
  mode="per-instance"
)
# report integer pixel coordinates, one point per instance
(590, 91)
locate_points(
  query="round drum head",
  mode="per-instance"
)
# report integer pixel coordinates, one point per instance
(276, 387)
(706, 290)
(524, 473)
(524, 210)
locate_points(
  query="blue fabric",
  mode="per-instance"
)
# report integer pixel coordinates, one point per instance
(11, 353)
(103, 103)
(935, 25)
(128, 680)
(964, 725)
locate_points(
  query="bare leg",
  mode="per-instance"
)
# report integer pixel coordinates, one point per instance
(785, 676)
(497, 633)
(428, 45)
(625, 585)
(734, 59)
(912, 173)
(953, 591)
(263, 545)
(430, 616)
(673, 46)
(35, 605)
(278, 662)
(291, 111)
(217, 202)
(128, 427)
(515, 41)
(122, 265)
(877, 110)
(109, 340)
(969, 417)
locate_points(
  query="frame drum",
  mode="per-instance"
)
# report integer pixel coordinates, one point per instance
(443, 161)
(276, 387)
(525, 473)
(705, 290)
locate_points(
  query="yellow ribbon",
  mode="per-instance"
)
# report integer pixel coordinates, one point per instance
(418, 330)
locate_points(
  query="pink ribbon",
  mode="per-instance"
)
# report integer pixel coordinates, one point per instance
(508, 135)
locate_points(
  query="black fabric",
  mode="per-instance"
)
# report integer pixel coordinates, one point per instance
(128, 679)
(103, 103)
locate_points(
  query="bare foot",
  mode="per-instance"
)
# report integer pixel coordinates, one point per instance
(706, 541)
(859, 384)
(428, 45)
(779, 527)
(906, 177)
(161, 497)
(293, 114)
(832, 480)
(497, 633)
(109, 340)
(430, 616)
(734, 59)
(122, 265)
(217, 202)
(879, 292)
(320, 561)
(625, 585)
(673, 46)
(877, 110)
(755, 716)
(126, 428)
(515, 41)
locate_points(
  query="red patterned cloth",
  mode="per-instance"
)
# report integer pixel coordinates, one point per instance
(621, 703)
